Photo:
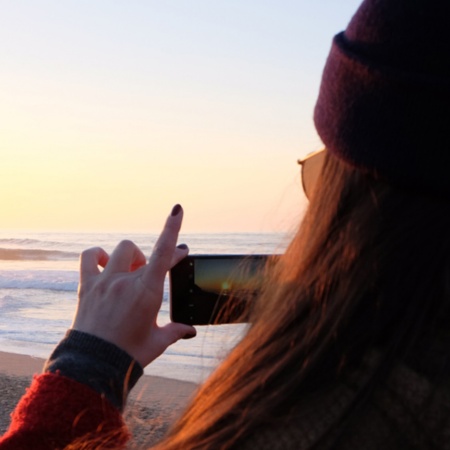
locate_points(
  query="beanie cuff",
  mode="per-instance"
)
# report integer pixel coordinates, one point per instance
(380, 118)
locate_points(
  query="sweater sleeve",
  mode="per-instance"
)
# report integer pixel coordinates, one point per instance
(79, 397)
(57, 411)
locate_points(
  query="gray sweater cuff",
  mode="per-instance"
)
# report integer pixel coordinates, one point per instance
(99, 364)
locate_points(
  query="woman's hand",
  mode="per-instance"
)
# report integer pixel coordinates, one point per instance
(120, 304)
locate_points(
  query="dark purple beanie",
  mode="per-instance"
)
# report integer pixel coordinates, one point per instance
(384, 101)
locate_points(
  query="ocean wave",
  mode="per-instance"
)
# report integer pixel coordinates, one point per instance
(54, 280)
(20, 254)
(18, 241)
(28, 241)
(68, 286)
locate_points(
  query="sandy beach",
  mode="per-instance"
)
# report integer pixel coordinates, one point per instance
(153, 403)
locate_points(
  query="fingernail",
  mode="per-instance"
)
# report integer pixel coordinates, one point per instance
(182, 246)
(176, 210)
(189, 335)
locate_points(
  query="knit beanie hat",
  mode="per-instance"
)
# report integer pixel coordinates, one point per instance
(384, 101)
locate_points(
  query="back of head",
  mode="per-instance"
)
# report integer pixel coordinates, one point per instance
(384, 111)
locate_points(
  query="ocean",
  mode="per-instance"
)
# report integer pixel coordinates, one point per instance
(38, 293)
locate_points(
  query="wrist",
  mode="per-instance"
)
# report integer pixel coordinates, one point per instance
(90, 360)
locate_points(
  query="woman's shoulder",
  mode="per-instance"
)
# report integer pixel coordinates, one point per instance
(405, 410)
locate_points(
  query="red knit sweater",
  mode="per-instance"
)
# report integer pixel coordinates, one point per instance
(57, 411)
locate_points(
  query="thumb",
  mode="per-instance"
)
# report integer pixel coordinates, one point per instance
(162, 337)
(174, 331)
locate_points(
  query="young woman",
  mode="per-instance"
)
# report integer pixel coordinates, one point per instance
(349, 343)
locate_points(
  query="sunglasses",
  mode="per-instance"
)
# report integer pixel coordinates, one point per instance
(311, 166)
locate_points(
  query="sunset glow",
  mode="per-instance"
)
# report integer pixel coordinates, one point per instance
(112, 112)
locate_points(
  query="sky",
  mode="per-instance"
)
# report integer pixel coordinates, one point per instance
(113, 111)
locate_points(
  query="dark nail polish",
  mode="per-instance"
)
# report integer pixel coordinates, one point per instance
(182, 246)
(176, 210)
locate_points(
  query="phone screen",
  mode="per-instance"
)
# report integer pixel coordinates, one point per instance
(226, 276)
(208, 289)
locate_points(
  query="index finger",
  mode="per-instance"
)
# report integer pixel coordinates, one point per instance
(161, 257)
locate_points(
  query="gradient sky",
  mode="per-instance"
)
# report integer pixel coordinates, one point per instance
(112, 111)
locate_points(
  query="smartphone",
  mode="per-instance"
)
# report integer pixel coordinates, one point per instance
(214, 289)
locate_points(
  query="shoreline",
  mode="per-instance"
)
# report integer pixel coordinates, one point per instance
(152, 406)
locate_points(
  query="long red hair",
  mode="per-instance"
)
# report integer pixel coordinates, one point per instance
(367, 268)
